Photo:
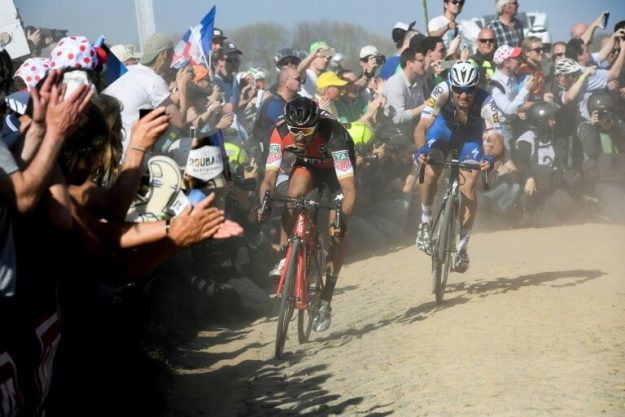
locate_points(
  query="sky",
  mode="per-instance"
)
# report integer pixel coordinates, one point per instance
(115, 19)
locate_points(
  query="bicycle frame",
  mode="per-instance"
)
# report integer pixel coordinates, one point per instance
(305, 231)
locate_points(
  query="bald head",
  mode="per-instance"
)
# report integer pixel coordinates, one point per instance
(578, 29)
(486, 41)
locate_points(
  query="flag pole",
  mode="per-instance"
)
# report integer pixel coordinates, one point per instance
(425, 16)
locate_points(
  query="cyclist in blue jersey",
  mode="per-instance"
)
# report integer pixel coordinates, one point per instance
(457, 111)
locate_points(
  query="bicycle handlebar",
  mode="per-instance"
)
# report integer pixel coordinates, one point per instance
(466, 166)
(302, 202)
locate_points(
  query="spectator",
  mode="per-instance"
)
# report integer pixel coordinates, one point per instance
(544, 201)
(483, 57)
(352, 105)
(534, 54)
(272, 109)
(217, 40)
(329, 87)
(143, 86)
(402, 33)
(405, 93)
(30, 73)
(603, 143)
(445, 26)
(508, 29)
(504, 89)
(558, 51)
(228, 60)
(314, 65)
(592, 79)
(434, 52)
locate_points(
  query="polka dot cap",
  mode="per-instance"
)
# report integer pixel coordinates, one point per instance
(73, 52)
(32, 71)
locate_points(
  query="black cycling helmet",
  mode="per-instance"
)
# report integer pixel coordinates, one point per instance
(301, 112)
(600, 100)
(538, 115)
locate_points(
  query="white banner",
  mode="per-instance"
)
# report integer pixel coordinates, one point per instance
(205, 163)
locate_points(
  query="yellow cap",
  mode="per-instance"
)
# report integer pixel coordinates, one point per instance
(328, 79)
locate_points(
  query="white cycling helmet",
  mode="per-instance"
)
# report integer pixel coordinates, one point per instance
(463, 74)
(567, 66)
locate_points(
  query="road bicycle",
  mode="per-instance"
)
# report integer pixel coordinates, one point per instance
(445, 237)
(302, 278)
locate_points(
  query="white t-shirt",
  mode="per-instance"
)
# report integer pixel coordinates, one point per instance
(599, 81)
(438, 23)
(139, 88)
(309, 88)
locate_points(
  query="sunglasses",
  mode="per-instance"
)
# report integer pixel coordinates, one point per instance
(537, 50)
(465, 90)
(289, 60)
(460, 2)
(303, 131)
(486, 40)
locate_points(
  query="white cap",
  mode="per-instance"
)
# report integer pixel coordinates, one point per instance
(365, 51)
(401, 25)
(124, 52)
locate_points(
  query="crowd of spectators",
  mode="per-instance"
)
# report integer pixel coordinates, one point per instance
(104, 186)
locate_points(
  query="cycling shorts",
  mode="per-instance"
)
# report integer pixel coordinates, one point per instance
(469, 139)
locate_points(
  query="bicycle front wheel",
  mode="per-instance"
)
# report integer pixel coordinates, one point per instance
(314, 274)
(441, 252)
(287, 297)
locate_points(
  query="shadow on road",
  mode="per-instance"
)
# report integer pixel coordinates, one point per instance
(503, 284)
(261, 387)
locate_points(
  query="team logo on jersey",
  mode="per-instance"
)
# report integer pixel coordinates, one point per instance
(496, 117)
(342, 164)
(275, 154)
(430, 102)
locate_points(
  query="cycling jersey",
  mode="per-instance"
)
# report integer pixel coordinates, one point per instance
(331, 146)
(441, 106)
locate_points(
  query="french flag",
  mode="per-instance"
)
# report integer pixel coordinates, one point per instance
(195, 45)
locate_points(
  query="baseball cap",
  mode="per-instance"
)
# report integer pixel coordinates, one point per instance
(155, 44)
(218, 34)
(124, 52)
(230, 48)
(329, 79)
(504, 52)
(400, 29)
(365, 51)
(324, 45)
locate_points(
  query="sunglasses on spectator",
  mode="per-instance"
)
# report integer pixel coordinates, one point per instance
(486, 40)
(304, 131)
(289, 60)
(537, 50)
(465, 90)
(460, 2)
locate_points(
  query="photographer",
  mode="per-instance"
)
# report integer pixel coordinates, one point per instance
(603, 144)
(370, 61)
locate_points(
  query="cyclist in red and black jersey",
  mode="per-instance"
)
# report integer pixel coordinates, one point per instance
(324, 154)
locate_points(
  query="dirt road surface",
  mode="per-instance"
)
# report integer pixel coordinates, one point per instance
(536, 327)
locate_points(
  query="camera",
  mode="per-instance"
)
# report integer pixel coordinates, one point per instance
(379, 59)
(605, 114)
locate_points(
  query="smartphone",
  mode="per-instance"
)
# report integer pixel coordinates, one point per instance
(222, 98)
(604, 23)
(143, 112)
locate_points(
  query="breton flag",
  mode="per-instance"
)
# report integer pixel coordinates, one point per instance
(195, 45)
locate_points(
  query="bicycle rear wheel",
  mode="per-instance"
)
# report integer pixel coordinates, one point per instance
(441, 251)
(286, 298)
(314, 273)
